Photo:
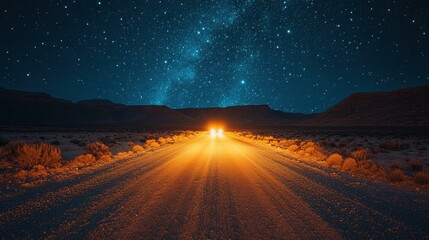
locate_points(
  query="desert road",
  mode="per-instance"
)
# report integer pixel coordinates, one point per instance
(214, 188)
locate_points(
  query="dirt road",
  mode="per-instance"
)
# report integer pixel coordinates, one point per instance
(214, 188)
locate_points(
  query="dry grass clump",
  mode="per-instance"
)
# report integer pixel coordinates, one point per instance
(309, 149)
(361, 154)
(350, 164)
(28, 155)
(369, 168)
(83, 160)
(421, 178)
(287, 142)
(152, 143)
(98, 149)
(335, 160)
(162, 140)
(396, 176)
(293, 148)
(137, 148)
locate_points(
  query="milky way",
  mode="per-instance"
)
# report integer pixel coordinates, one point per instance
(297, 56)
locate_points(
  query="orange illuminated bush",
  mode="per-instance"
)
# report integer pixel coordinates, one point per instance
(29, 155)
(335, 160)
(137, 148)
(309, 149)
(361, 154)
(83, 160)
(293, 148)
(98, 149)
(105, 158)
(350, 164)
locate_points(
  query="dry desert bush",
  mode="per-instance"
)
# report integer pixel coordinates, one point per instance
(98, 149)
(421, 178)
(361, 154)
(396, 175)
(335, 160)
(137, 148)
(350, 164)
(293, 148)
(28, 155)
(83, 160)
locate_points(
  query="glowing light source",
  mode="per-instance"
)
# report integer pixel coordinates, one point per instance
(213, 132)
(216, 132)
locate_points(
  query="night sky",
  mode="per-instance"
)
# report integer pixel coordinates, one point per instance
(295, 55)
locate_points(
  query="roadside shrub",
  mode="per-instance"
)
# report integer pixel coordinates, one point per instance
(29, 155)
(368, 167)
(415, 165)
(309, 149)
(150, 141)
(105, 158)
(421, 178)
(162, 140)
(335, 160)
(122, 154)
(396, 175)
(137, 148)
(293, 148)
(361, 154)
(83, 160)
(154, 145)
(98, 149)
(350, 164)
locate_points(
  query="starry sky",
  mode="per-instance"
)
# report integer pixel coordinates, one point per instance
(295, 55)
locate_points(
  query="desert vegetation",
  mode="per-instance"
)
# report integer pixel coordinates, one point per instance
(28, 160)
(395, 159)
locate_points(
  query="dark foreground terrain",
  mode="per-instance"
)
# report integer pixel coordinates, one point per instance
(217, 188)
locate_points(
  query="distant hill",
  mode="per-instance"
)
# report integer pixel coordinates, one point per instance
(260, 115)
(26, 108)
(404, 107)
(99, 102)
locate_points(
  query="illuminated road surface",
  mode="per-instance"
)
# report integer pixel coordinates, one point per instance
(214, 188)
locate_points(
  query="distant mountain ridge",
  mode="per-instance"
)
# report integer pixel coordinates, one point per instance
(244, 115)
(404, 107)
(408, 106)
(26, 108)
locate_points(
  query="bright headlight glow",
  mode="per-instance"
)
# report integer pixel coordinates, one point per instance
(216, 132)
(213, 132)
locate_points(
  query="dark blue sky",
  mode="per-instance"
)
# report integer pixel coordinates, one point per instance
(295, 55)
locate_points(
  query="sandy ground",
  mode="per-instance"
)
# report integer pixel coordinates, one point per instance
(214, 188)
